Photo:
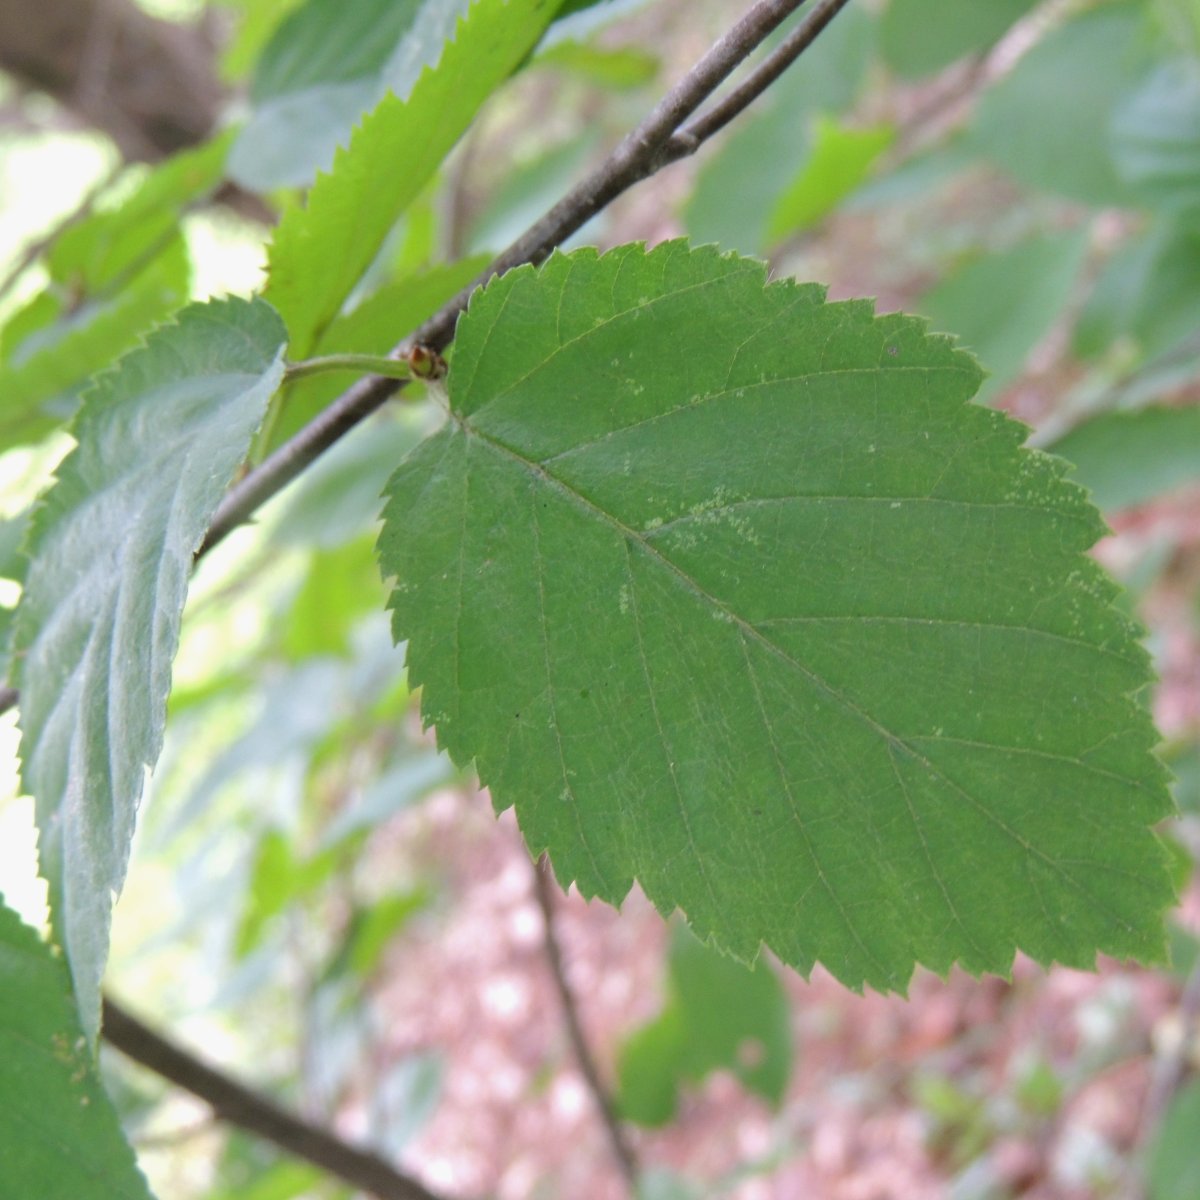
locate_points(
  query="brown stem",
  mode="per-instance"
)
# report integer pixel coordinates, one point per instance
(238, 1105)
(544, 886)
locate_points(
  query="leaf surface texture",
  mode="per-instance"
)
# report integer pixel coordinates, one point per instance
(732, 592)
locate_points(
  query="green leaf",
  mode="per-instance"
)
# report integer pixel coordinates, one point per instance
(1174, 1166)
(1047, 122)
(41, 383)
(1003, 304)
(59, 1134)
(1149, 290)
(1127, 458)
(617, 67)
(719, 1015)
(110, 551)
(839, 162)
(737, 188)
(732, 592)
(320, 252)
(919, 37)
(1156, 137)
(110, 244)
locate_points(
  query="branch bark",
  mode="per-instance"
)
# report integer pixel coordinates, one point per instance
(249, 1110)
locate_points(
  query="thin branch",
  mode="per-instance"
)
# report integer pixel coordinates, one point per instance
(238, 1105)
(770, 69)
(643, 152)
(544, 886)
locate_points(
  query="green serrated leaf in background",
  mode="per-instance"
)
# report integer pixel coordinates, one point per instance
(1127, 458)
(59, 1134)
(919, 37)
(719, 1015)
(734, 593)
(1001, 305)
(111, 548)
(320, 252)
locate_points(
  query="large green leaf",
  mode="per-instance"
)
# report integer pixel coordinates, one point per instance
(59, 1136)
(732, 592)
(110, 550)
(922, 36)
(719, 1015)
(320, 252)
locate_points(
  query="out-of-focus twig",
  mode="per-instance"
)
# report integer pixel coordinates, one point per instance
(622, 1152)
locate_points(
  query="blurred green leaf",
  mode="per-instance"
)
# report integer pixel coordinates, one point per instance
(738, 186)
(373, 927)
(44, 376)
(109, 246)
(1047, 122)
(1156, 137)
(1149, 290)
(111, 547)
(839, 161)
(340, 586)
(1173, 1164)
(719, 1015)
(617, 67)
(1003, 304)
(919, 37)
(1127, 458)
(59, 1135)
(320, 252)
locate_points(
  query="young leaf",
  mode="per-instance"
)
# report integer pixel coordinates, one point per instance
(732, 592)
(110, 552)
(59, 1135)
(320, 252)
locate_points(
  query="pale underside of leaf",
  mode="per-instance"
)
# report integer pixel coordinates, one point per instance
(732, 592)
(111, 547)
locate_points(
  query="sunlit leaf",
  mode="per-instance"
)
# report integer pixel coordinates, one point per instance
(321, 251)
(111, 549)
(732, 592)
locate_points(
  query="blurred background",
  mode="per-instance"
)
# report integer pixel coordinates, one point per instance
(318, 900)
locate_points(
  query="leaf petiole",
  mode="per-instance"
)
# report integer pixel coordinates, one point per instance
(366, 364)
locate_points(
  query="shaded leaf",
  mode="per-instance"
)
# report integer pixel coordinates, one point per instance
(919, 37)
(1174, 1166)
(1047, 122)
(719, 1015)
(320, 252)
(1127, 458)
(59, 1134)
(730, 591)
(1156, 137)
(1003, 304)
(110, 553)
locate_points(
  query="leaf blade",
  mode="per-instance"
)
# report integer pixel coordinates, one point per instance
(111, 549)
(597, 564)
